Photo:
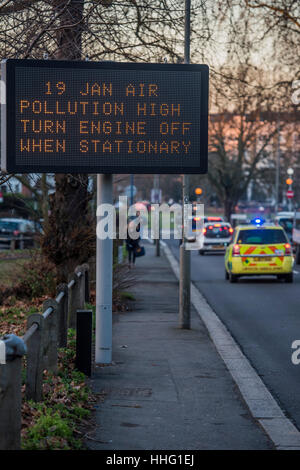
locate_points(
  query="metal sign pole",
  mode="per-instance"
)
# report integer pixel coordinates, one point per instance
(104, 274)
(157, 240)
(185, 255)
(277, 167)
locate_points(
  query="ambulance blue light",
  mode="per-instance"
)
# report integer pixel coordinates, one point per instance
(257, 221)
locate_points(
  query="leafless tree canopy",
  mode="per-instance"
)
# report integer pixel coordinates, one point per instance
(130, 30)
(224, 33)
(252, 46)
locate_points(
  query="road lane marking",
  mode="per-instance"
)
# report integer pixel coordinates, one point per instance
(262, 405)
(296, 272)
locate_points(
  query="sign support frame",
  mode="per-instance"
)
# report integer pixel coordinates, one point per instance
(104, 279)
(104, 251)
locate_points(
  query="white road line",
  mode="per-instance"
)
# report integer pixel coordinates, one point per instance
(296, 272)
(259, 400)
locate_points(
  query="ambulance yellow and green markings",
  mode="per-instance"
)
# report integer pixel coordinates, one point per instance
(259, 249)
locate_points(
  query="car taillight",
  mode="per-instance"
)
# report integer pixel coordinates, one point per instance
(236, 250)
(204, 231)
(288, 249)
(231, 230)
(16, 233)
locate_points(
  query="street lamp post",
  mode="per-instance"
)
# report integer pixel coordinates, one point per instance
(157, 240)
(290, 173)
(185, 255)
(277, 167)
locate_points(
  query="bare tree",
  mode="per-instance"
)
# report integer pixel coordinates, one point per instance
(279, 13)
(145, 30)
(241, 134)
(226, 32)
(279, 20)
(98, 29)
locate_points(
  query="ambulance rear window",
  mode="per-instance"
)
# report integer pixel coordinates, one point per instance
(261, 237)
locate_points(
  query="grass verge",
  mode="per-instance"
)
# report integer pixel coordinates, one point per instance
(60, 420)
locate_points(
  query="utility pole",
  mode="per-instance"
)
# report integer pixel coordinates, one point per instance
(277, 166)
(185, 255)
(289, 181)
(157, 240)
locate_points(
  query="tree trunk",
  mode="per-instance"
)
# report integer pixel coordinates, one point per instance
(69, 35)
(228, 208)
(44, 199)
(67, 240)
(69, 235)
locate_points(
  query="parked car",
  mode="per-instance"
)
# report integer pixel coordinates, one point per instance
(20, 232)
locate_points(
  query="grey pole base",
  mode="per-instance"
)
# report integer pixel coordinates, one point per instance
(184, 288)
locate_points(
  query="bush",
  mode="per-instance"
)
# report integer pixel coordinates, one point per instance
(123, 280)
(37, 278)
(50, 431)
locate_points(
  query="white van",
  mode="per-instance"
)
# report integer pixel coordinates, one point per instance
(296, 236)
(286, 220)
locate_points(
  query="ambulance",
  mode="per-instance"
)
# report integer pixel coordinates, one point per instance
(259, 249)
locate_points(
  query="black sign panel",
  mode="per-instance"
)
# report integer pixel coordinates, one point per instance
(104, 117)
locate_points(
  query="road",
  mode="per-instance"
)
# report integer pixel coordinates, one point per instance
(263, 316)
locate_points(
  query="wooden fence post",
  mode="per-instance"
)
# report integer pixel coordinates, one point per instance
(80, 273)
(86, 269)
(62, 314)
(35, 359)
(73, 302)
(10, 404)
(77, 296)
(51, 340)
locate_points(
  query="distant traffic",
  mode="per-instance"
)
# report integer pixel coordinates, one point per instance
(253, 247)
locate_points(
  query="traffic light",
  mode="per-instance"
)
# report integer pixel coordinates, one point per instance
(198, 191)
(289, 181)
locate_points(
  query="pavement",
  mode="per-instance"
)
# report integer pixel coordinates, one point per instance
(167, 388)
(262, 316)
